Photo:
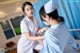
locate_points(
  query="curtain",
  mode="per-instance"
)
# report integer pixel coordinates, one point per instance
(70, 10)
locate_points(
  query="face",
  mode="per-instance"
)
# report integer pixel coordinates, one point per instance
(29, 10)
(46, 20)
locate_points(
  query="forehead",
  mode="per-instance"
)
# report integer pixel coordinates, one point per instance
(28, 6)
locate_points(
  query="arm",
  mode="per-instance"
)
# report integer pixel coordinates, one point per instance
(32, 38)
(41, 42)
(25, 30)
(40, 34)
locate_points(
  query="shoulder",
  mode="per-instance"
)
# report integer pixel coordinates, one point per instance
(22, 21)
(64, 27)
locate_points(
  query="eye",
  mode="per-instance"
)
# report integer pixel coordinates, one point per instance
(27, 9)
(31, 8)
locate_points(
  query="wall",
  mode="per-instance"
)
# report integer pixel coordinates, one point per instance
(12, 7)
(3, 39)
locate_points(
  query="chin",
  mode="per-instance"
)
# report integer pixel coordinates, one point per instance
(31, 15)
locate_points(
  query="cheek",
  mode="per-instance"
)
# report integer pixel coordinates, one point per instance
(26, 12)
(32, 10)
(46, 19)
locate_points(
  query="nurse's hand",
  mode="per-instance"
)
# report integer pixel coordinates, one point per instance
(42, 30)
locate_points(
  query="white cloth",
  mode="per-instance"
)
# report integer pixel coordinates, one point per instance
(25, 45)
(50, 6)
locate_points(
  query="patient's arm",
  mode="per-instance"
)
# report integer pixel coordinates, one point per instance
(33, 38)
(41, 42)
(40, 33)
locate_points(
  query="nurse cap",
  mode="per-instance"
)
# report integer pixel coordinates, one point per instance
(50, 6)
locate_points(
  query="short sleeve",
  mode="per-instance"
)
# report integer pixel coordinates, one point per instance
(24, 27)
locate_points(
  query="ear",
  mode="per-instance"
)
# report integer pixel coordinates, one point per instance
(47, 17)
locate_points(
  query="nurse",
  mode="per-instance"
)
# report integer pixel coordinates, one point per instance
(57, 36)
(29, 28)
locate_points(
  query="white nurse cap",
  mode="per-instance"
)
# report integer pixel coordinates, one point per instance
(50, 6)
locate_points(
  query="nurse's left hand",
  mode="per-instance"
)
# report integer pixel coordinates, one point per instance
(43, 29)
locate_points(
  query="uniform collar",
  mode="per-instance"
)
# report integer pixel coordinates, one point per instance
(29, 19)
(55, 26)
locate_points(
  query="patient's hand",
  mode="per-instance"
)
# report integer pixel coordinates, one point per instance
(41, 42)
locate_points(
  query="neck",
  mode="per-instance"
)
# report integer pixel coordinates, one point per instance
(53, 22)
(31, 18)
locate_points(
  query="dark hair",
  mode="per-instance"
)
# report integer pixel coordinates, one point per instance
(24, 4)
(53, 15)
